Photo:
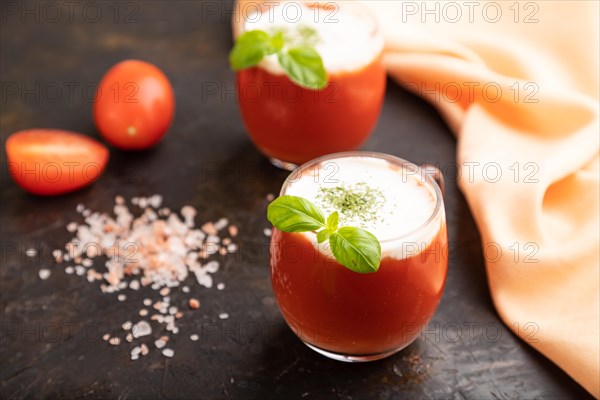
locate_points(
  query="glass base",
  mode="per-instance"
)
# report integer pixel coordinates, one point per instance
(353, 358)
(288, 166)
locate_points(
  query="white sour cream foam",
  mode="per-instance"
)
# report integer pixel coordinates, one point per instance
(374, 194)
(347, 37)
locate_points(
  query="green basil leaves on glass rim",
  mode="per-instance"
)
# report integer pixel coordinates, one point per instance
(297, 56)
(354, 248)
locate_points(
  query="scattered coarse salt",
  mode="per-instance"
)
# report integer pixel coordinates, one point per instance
(209, 229)
(194, 337)
(44, 274)
(156, 201)
(220, 286)
(221, 224)
(168, 352)
(136, 351)
(140, 329)
(151, 248)
(232, 248)
(58, 255)
(194, 304)
(268, 232)
(72, 227)
(223, 316)
(31, 252)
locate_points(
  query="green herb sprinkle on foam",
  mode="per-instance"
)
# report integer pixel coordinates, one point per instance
(358, 202)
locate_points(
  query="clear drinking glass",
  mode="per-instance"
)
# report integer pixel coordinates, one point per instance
(291, 124)
(362, 317)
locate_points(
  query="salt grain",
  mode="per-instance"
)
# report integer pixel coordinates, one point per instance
(147, 302)
(223, 316)
(185, 289)
(127, 325)
(122, 297)
(220, 286)
(194, 337)
(221, 224)
(233, 230)
(57, 254)
(160, 343)
(31, 252)
(140, 329)
(168, 352)
(114, 341)
(44, 274)
(268, 232)
(270, 197)
(194, 304)
(143, 312)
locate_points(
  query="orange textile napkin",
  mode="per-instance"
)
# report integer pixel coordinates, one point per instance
(517, 82)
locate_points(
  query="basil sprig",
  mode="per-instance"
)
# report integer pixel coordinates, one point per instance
(354, 248)
(301, 62)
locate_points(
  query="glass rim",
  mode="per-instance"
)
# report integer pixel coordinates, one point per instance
(365, 12)
(425, 178)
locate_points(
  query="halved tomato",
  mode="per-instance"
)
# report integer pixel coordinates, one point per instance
(50, 161)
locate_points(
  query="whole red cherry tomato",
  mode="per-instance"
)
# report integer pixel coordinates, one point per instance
(50, 161)
(134, 105)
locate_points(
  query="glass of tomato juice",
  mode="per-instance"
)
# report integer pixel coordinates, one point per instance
(291, 124)
(347, 315)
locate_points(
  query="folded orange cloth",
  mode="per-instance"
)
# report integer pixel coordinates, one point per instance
(518, 84)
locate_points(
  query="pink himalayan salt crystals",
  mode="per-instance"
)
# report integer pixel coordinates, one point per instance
(157, 249)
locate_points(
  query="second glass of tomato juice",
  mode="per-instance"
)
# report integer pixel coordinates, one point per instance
(291, 123)
(347, 313)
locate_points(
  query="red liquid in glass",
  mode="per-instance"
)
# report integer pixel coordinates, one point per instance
(295, 125)
(341, 311)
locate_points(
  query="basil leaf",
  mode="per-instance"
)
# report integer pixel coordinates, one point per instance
(250, 48)
(323, 235)
(295, 214)
(356, 249)
(304, 65)
(332, 221)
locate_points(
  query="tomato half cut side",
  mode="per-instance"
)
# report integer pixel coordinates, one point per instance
(49, 162)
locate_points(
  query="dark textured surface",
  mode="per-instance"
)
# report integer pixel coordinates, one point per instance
(466, 352)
